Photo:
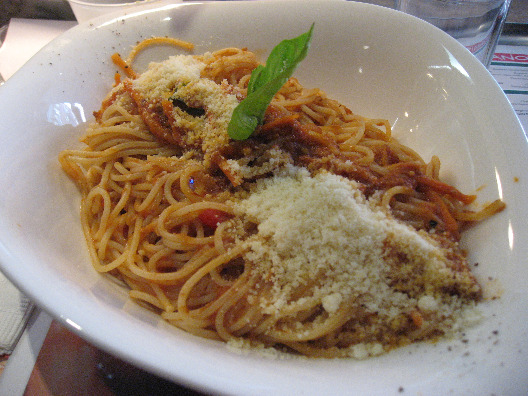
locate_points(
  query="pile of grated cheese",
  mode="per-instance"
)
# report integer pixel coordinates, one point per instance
(322, 228)
(179, 77)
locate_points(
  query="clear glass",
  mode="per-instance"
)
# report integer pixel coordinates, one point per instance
(477, 24)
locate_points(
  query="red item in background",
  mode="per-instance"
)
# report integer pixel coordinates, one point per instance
(68, 365)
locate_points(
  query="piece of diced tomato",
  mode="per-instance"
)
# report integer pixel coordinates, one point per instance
(213, 217)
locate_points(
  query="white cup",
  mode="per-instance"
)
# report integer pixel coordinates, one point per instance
(85, 10)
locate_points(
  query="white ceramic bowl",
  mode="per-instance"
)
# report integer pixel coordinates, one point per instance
(381, 63)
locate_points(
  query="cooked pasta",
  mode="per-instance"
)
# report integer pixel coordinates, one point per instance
(319, 235)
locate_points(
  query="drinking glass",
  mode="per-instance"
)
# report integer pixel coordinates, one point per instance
(477, 24)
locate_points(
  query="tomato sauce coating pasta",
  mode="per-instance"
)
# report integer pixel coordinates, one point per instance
(320, 235)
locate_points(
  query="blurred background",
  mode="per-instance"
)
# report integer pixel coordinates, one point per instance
(60, 9)
(38, 9)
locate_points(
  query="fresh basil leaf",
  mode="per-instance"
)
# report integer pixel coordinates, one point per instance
(254, 77)
(265, 82)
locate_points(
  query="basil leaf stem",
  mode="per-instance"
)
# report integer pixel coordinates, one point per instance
(265, 82)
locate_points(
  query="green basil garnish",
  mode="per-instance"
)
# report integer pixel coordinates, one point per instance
(265, 82)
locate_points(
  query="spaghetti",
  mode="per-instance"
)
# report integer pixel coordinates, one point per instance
(320, 234)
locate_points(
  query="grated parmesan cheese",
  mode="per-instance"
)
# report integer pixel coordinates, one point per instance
(161, 78)
(179, 77)
(321, 231)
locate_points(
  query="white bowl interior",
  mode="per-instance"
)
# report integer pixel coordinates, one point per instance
(379, 62)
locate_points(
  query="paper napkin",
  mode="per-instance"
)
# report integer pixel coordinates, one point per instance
(15, 309)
